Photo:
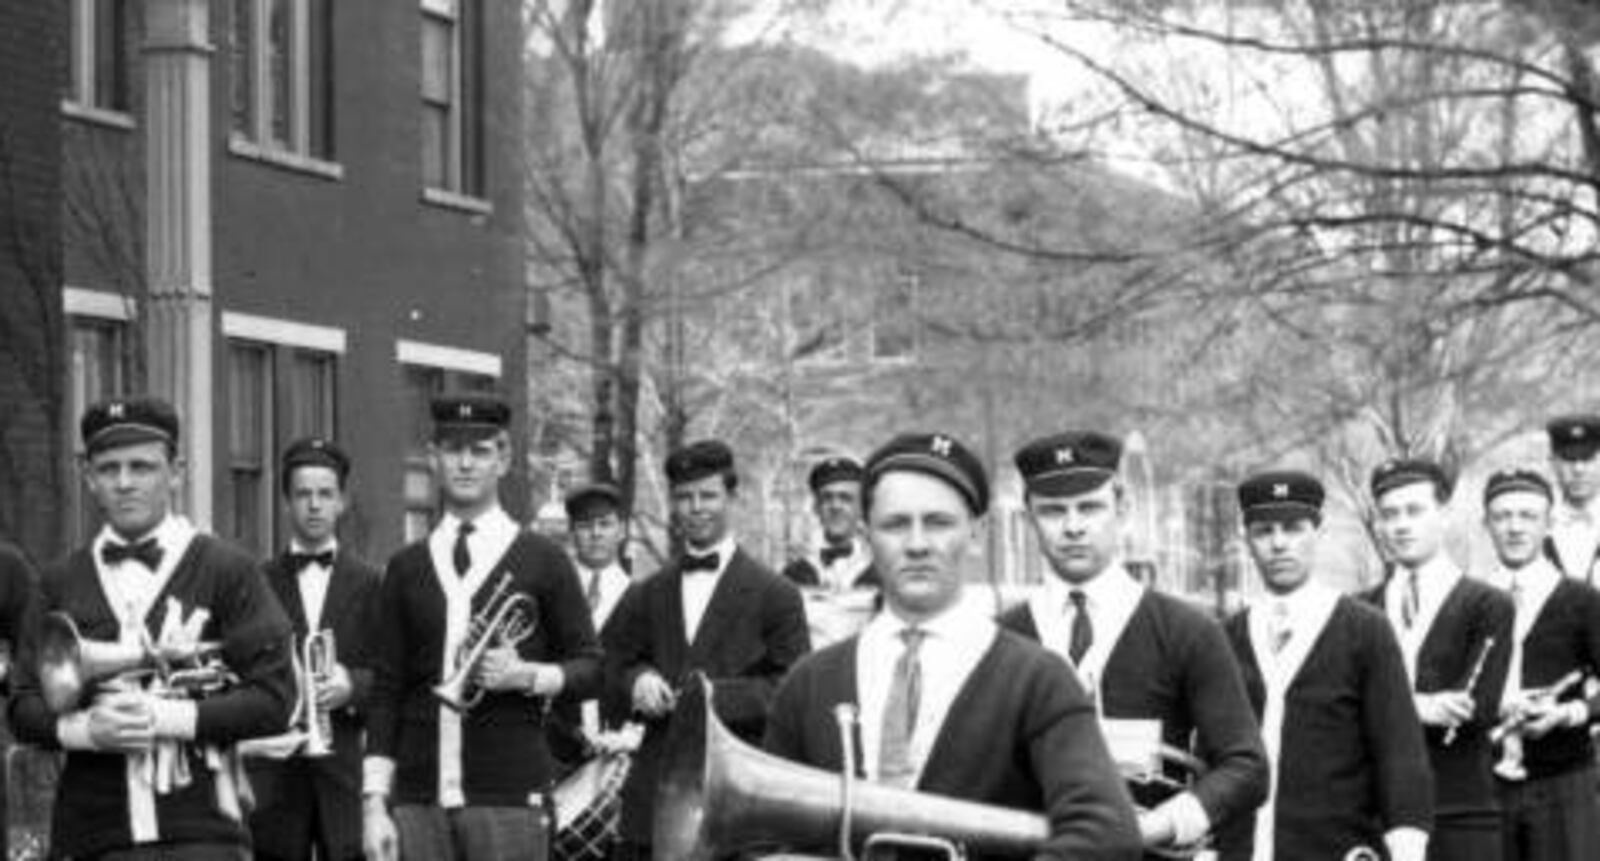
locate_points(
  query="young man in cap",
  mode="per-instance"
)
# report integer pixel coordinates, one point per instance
(1455, 636)
(1323, 671)
(948, 702)
(837, 578)
(843, 560)
(1574, 540)
(713, 609)
(151, 771)
(1159, 668)
(308, 788)
(1547, 773)
(494, 613)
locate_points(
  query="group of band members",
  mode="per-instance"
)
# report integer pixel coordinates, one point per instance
(1438, 716)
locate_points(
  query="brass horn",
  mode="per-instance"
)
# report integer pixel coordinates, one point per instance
(68, 663)
(505, 620)
(717, 794)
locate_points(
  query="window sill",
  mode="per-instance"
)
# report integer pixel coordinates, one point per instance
(457, 201)
(286, 159)
(98, 116)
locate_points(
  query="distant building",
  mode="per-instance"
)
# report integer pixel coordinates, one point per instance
(290, 217)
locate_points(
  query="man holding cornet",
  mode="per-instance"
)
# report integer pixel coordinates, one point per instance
(156, 648)
(479, 626)
(308, 783)
(1546, 770)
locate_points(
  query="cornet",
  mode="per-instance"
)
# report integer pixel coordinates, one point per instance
(68, 663)
(1508, 733)
(505, 620)
(317, 660)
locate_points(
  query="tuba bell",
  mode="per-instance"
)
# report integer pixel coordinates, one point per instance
(68, 663)
(718, 794)
(505, 620)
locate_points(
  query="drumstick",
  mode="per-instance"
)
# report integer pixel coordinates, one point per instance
(1472, 682)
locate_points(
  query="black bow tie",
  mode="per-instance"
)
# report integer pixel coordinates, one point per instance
(146, 552)
(834, 553)
(708, 563)
(299, 561)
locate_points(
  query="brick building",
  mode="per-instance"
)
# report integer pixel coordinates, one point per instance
(337, 234)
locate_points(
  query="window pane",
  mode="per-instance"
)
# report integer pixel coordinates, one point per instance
(319, 25)
(249, 438)
(894, 319)
(75, 83)
(469, 100)
(110, 55)
(436, 50)
(435, 147)
(244, 77)
(310, 397)
(280, 54)
(97, 372)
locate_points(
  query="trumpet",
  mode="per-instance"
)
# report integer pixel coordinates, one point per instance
(68, 663)
(317, 659)
(1508, 733)
(505, 620)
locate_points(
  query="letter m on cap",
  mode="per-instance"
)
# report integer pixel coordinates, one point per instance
(1280, 491)
(116, 410)
(940, 446)
(464, 411)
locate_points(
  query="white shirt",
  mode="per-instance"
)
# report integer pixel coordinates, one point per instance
(956, 640)
(131, 588)
(1575, 532)
(1110, 599)
(313, 582)
(492, 534)
(1435, 579)
(840, 575)
(610, 582)
(699, 586)
(1530, 588)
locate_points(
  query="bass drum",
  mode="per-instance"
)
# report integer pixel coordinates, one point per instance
(588, 804)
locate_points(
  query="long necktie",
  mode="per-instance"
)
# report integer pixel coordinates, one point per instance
(461, 557)
(900, 713)
(1411, 600)
(592, 592)
(1082, 628)
(1281, 631)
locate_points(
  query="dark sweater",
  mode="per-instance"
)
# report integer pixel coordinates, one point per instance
(1172, 664)
(91, 808)
(504, 752)
(1020, 734)
(1565, 636)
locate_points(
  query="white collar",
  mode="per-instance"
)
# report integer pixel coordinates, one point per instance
(1113, 587)
(493, 521)
(960, 623)
(1566, 512)
(172, 532)
(330, 546)
(724, 548)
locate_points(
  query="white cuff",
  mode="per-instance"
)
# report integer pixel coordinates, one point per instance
(1577, 713)
(377, 775)
(1428, 710)
(1188, 818)
(174, 719)
(72, 730)
(549, 680)
(1406, 843)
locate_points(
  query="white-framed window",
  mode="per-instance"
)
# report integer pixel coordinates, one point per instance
(428, 370)
(282, 385)
(99, 366)
(98, 74)
(452, 97)
(282, 62)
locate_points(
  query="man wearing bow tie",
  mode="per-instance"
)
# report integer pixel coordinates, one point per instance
(713, 609)
(837, 578)
(304, 798)
(151, 770)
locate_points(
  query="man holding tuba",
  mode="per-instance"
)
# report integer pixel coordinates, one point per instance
(478, 627)
(948, 702)
(1546, 775)
(308, 793)
(151, 770)
(1159, 668)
